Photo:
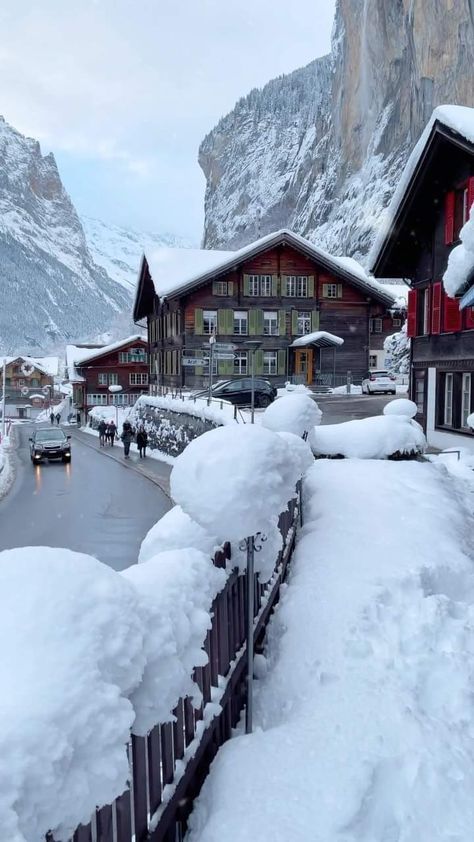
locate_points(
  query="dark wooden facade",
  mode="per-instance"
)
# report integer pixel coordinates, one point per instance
(124, 365)
(423, 233)
(294, 295)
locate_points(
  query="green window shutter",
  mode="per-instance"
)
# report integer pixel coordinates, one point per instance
(198, 322)
(199, 370)
(214, 287)
(339, 290)
(315, 320)
(229, 366)
(325, 290)
(282, 322)
(283, 286)
(275, 286)
(246, 284)
(222, 322)
(230, 288)
(230, 322)
(281, 362)
(259, 322)
(294, 322)
(258, 362)
(310, 286)
(252, 322)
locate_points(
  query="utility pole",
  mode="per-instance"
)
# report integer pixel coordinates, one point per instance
(212, 342)
(4, 386)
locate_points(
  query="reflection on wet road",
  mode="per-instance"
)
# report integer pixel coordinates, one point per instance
(93, 505)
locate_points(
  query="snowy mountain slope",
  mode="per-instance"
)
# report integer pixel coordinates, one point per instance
(119, 250)
(321, 150)
(50, 287)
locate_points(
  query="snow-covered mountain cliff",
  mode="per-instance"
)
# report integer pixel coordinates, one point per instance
(320, 150)
(50, 288)
(119, 250)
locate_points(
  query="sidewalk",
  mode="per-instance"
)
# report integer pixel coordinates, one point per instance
(153, 469)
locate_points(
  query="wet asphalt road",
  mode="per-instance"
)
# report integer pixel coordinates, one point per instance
(93, 505)
(337, 408)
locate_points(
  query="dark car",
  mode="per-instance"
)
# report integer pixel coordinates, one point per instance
(50, 443)
(240, 391)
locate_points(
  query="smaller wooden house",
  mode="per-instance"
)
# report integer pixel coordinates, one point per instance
(275, 291)
(29, 384)
(433, 202)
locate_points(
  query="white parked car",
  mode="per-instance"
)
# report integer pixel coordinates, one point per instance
(379, 381)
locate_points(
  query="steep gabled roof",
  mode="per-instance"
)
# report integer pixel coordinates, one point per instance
(171, 281)
(77, 357)
(454, 123)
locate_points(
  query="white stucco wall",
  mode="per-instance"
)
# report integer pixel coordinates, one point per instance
(441, 439)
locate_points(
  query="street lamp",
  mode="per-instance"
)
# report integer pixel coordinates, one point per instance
(114, 390)
(253, 345)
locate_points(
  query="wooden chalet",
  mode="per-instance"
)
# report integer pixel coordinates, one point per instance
(275, 291)
(29, 384)
(93, 369)
(429, 209)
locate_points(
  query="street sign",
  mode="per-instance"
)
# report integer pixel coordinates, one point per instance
(191, 361)
(222, 346)
(221, 356)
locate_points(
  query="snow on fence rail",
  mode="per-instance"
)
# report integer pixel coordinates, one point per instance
(169, 764)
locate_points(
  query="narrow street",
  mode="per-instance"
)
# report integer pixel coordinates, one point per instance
(94, 505)
(339, 408)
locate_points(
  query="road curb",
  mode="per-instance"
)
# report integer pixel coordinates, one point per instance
(163, 486)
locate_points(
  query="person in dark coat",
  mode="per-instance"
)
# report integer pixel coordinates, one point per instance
(112, 432)
(127, 438)
(58, 417)
(102, 430)
(142, 441)
(51, 417)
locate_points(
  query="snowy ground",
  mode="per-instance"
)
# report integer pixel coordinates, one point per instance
(6, 466)
(364, 719)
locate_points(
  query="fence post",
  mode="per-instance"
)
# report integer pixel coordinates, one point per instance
(349, 381)
(250, 620)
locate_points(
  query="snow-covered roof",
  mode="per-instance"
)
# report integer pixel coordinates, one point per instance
(174, 271)
(77, 357)
(47, 365)
(318, 337)
(459, 119)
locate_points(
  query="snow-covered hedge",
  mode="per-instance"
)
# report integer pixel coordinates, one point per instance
(380, 437)
(397, 350)
(293, 413)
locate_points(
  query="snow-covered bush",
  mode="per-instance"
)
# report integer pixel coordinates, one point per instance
(235, 480)
(175, 531)
(380, 437)
(397, 349)
(172, 424)
(83, 649)
(461, 260)
(294, 413)
(401, 406)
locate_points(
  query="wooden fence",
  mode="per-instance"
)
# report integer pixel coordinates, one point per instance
(168, 767)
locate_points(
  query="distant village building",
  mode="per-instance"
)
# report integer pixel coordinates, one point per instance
(313, 315)
(97, 372)
(29, 384)
(430, 208)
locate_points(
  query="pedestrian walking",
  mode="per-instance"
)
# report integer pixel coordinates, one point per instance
(127, 438)
(51, 417)
(107, 432)
(102, 428)
(112, 432)
(58, 417)
(142, 441)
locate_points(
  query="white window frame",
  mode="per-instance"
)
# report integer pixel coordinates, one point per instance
(241, 362)
(397, 322)
(130, 357)
(331, 290)
(254, 285)
(138, 378)
(304, 322)
(270, 323)
(241, 322)
(209, 321)
(372, 360)
(302, 286)
(377, 325)
(220, 288)
(270, 362)
(425, 314)
(113, 379)
(466, 398)
(102, 378)
(97, 400)
(265, 286)
(448, 399)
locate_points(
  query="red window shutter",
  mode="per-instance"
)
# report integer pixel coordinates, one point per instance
(470, 195)
(436, 308)
(449, 218)
(469, 311)
(452, 321)
(412, 312)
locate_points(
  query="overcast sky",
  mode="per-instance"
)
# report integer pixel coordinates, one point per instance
(123, 91)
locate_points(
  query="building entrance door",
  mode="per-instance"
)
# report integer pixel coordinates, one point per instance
(304, 365)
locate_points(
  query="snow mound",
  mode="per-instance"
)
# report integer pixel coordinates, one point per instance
(234, 480)
(175, 531)
(401, 406)
(294, 413)
(370, 438)
(301, 452)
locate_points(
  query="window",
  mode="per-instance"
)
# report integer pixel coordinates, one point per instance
(397, 322)
(304, 322)
(102, 379)
(209, 321)
(330, 290)
(220, 288)
(269, 362)
(420, 392)
(425, 311)
(448, 400)
(120, 399)
(376, 325)
(134, 355)
(270, 323)
(461, 210)
(97, 400)
(240, 362)
(35, 382)
(113, 379)
(138, 379)
(466, 399)
(240, 322)
(372, 360)
(297, 286)
(260, 285)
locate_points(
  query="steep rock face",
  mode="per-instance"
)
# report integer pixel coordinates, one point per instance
(50, 288)
(321, 150)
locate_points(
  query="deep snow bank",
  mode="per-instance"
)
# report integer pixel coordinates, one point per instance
(364, 720)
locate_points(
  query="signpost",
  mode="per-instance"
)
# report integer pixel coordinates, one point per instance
(220, 355)
(194, 361)
(223, 346)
